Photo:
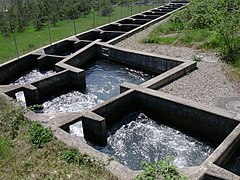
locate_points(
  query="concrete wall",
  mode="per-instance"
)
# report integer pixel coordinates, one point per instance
(116, 108)
(90, 35)
(82, 56)
(119, 27)
(133, 21)
(48, 62)
(60, 48)
(143, 61)
(211, 123)
(52, 84)
(15, 68)
(108, 35)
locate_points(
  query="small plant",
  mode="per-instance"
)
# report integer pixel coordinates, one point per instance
(197, 58)
(163, 169)
(38, 135)
(36, 107)
(71, 155)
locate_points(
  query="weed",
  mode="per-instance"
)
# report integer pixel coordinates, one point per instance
(10, 121)
(71, 155)
(36, 107)
(197, 58)
(5, 148)
(38, 135)
(163, 169)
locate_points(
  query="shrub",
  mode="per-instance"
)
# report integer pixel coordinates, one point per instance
(38, 135)
(163, 169)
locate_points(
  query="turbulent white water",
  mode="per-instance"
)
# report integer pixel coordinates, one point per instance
(103, 81)
(32, 76)
(74, 101)
(104, 78)
(142, 139)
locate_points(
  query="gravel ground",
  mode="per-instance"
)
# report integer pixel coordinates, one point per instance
(208, 84)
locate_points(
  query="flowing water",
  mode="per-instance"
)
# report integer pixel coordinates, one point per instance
(141, 139)
(103, 81)
(32, 76)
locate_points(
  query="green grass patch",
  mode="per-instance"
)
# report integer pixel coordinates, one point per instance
(198, 38)
(19, 159)
(5, 148)
(30, 39)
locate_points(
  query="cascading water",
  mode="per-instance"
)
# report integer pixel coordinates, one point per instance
(142, 139)
(32, 76)
(103, 81)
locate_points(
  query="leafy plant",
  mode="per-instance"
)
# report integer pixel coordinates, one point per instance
(36, 107)
(163, 169)
(71, 155)
(38, 135)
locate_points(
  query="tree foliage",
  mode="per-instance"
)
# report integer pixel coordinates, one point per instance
(19, 14)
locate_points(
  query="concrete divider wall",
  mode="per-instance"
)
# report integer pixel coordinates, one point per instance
(155, 64)
(119, 27)
(89, 35)
(212, 123)
(133, 21)
(52, 84)
(81, 44)
(228, 149)
(171, 75)
(82, 56)
(117, 108)
(16, 67)
(60, 48)
(48, 62)
(108, 35)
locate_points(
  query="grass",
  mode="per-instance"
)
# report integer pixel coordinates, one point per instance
(30, 39)
(19, 159)
(197, 38)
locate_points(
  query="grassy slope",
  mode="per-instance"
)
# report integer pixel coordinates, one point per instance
(30, 39)
(198, 38)
(20, 160)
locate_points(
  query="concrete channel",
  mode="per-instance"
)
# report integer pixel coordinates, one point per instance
(66, 60)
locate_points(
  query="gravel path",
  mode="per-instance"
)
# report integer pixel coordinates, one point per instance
(207, 84)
